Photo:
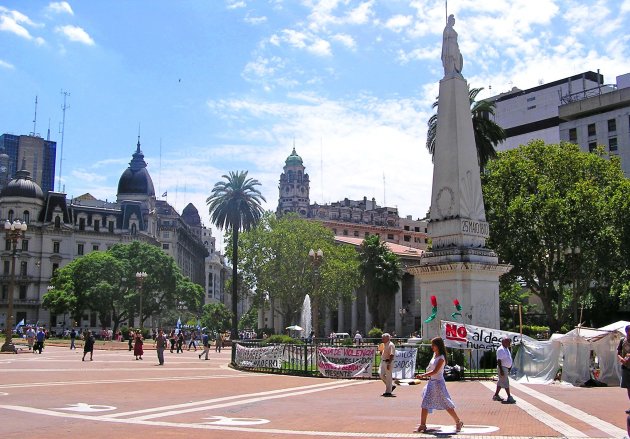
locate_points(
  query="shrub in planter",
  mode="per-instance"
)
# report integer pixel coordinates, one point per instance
(375, 333)
(281, 339)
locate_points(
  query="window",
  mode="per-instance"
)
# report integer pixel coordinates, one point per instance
(95, 247)
(97, 225)
(57, 222)
(533, 98)
(10, 217)
(416, 229)
(612, 144)
(356, 233)
(22, 292)
(80, 249)
(7, 244)
(591, 130)
(367, 234)
(592, 146)
(134, 229)
(7, 267)
(531, 107)
(406, 227)
(166, 234)
(390, 236)
(81, 223)
(23, 268)
(345, 232)
(612, 125)
(573, 135)
(165, 246)
(27, 216)
(5, 290)
(55, 246)
(110, 226)
(25, 245)
(55, 267)
(407, 238)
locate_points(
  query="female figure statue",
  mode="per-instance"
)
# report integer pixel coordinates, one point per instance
(451, 56)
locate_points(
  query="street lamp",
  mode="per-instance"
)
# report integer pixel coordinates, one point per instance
(140, 277)
(14, 230)
(573, 253)
(316, 258)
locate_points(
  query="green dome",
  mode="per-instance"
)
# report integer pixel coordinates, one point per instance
(294, 159)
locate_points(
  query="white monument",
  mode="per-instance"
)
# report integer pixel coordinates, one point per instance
(459, 265)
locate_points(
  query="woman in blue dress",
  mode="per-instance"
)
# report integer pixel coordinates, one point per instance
(435, 396)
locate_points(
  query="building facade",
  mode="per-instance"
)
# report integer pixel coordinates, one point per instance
(37, 154)
(62, 229)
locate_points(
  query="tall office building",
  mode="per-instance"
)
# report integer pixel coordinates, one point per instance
(39, 156)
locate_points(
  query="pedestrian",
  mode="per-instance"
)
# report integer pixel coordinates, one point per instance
(131, 337)
(39, 337)
(623, 355)
(358, 338)
(137, 346)
(218, 344)
(193, 336)
(73, 337)
(180, 343)
(171, 339)
(504, 364)
(30, 337)
(160, 346)
(205, 340)
(387, 364)
(435, 396)
(88, 345)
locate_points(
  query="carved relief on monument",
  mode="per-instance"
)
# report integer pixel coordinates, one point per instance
(471, 201)
(445, 202)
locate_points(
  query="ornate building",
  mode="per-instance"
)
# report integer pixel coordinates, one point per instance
(60, 230)
(294, 187)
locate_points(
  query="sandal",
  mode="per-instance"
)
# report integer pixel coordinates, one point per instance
(421, 429)
(458, 426)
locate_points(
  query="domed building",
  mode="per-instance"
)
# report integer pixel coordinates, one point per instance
(62, 229)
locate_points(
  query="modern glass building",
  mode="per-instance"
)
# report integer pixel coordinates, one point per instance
(40, 157)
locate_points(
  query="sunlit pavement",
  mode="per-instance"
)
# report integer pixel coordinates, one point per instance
(57, 395)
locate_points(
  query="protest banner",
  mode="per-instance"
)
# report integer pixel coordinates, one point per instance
(267, 357)
(346, 362)
(462, 336)
(405, 363)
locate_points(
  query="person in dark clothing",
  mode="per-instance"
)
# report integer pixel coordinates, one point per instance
(131, 337)
(88, 346)
(180, 343)
(39, 338)
(73, 337)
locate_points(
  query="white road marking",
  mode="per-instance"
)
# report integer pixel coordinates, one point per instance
(206, 402)
(83, 407)
(599, 424)
(222, 420)
(291, 433)
(541, 416)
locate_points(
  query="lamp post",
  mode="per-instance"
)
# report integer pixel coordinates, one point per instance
(573, 253)
(140, 277)
(14, 230)
(316, 258)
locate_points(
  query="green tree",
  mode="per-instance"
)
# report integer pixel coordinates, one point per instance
(381, 272)
(487, 133)
(216, 317)
(276, 264)
(544, 202)
(235, 204)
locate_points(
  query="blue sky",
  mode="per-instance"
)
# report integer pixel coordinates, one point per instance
(232, 84)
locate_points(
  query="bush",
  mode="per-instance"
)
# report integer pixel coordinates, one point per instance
(268, 331)
(281, 339)
(535, 330)
(375, 333)
(347, 342)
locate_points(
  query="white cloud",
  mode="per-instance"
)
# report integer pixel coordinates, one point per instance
(6, 65)
(88, 177)
(14, 22)
(76, 34)
(345, 39)
(361, 14)
(398, 22)
(254, 20)
(60, 8)
(235, 4)
(320, 48)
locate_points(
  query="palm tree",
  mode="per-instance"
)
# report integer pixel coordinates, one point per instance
(487, 133)
(235, 204)
(381, 271)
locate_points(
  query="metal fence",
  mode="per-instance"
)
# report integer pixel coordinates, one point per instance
(301, 359)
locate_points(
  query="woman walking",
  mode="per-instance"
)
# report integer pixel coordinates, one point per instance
(88, 345)
(137, 346)
(435, 396)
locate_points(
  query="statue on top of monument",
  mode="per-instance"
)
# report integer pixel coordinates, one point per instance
(452, 59)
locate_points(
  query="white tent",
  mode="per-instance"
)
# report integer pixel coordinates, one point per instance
(574, 352)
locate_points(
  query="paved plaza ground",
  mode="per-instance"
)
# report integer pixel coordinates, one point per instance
(55, 395)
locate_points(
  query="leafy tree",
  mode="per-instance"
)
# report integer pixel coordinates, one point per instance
(235, 204)
(249, 320)
(487, 133)
(381, 272)
(543, 203)
(276, 263)
(216, 317)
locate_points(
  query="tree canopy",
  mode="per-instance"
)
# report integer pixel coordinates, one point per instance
(553, 213)
(276, 264)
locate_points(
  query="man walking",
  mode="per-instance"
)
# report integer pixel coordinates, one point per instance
(387, 364)
(205, 340)
(40, 337)
(504, 364)
(73, 337)
(160, 346)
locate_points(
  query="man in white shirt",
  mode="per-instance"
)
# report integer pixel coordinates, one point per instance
(387, 364)
(358, 338)
(504, 364)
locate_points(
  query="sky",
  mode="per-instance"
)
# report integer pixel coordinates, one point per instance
(224, 85)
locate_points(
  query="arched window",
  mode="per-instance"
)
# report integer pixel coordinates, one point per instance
(27, 217)
(57, 222)
(10, 215)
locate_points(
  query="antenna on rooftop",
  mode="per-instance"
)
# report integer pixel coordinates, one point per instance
(35, 118)
(62, 131)
(48, 135)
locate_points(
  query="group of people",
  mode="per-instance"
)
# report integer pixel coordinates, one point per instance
(435, 395)
(35, 339)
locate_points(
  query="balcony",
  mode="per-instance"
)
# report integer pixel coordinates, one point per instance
(21, 302)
